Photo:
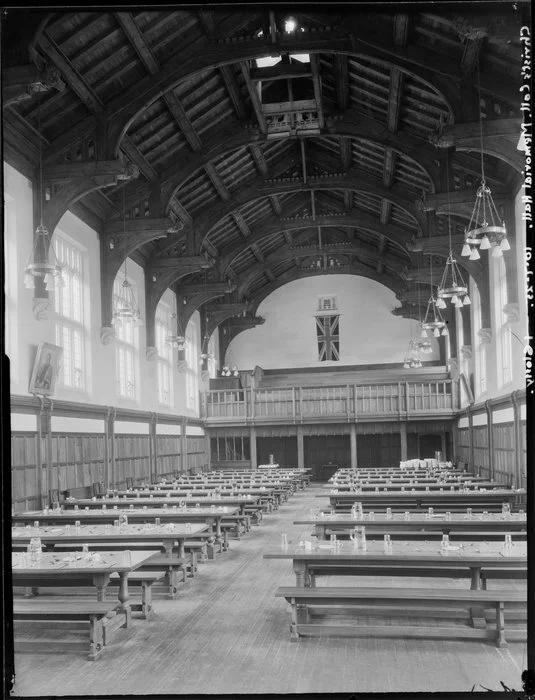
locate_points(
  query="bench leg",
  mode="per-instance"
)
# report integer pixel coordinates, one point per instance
(146, 600)
(294, 635)
(500, 625)
(477, 615)
(96, 637)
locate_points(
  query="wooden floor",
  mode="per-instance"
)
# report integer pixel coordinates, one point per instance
(228, 634)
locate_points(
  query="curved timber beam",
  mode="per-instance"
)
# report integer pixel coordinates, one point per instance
(394, 284)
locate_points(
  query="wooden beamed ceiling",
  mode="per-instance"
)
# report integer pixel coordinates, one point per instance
(178, 94)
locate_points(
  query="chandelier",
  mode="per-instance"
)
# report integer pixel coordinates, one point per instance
(433, 321)
(412, 356)
(229, 372)
(43, 262)
(486, 229)
(177, 340)
(126, 309)
(452, 285)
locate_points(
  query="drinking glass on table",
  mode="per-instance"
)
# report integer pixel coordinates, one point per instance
(157, 522)
(116, 524)
(389, 513)
(469, 513)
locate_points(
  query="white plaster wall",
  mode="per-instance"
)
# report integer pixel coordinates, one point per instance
(369, 333)
(25, 333)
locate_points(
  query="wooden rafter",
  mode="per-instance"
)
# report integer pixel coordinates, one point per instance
(183, 121)
(389, 166)
(395, 97)
(257, 252)
(71, 76)
(255, 99)
(271, 277)
(135, 37)
(208, 23)
(341, 79)
(316, 80)
(380, 251)
(233, 90)
(241, 224)
(346, 153)
(181, 211)
(401, 29)
(258, 157)
(217, 182)
(135, 155)
(385, 211)
(274, 200)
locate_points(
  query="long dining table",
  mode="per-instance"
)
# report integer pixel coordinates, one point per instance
(408, 556)
(79, 569)
(166, 534)
(212, 516)
(447, 499)
(138, 502)
(418, 523)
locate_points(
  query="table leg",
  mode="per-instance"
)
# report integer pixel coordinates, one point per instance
(100, 581)
(123, 595)
(168, 546)
(181, 549)
(301, 575)
(475, 572)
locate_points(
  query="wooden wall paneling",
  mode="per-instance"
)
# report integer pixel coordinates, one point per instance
(463, 445)
(481, 450)
(503, 439)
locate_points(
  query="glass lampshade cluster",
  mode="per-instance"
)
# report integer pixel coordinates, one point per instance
(486, 230)
(433, 323)
(452, 286)
(43, 263)
(126, 309)
(412, 356)
(229, 371)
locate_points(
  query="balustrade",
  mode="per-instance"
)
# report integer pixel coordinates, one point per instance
(347, 402)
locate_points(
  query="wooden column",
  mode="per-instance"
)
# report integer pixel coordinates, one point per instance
(403, 435)
(353, 444)
(443, 445)
(208, 450)
(517, 478)
(40, 470)
(153, 451)
(183, 445)
(109, 448)
(252, 439)
(490, 439)
(471, 438)
(300, 448)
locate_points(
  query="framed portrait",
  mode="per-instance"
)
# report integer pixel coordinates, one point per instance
(45, 369)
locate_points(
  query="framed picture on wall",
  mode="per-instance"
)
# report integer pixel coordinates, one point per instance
(45, 369)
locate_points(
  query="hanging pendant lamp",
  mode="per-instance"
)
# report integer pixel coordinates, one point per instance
(177, 340)
(126, 309)
(452, 285)
(486, 228)
(43, 262)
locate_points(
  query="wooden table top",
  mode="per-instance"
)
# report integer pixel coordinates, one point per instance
(420, 495)
(104, 533)
(135, 514)
(413, 487)
(418, 521)
(191, 492)
(202, 500)
(406, 551)
(53, 564)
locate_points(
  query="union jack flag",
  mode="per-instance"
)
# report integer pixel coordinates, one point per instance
(327, 329)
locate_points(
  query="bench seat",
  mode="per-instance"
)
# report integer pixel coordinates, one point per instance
(170, 566)
(103, 618)
(413, 534)
(406, 600)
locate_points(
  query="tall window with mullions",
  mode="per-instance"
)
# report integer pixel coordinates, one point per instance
(328, 334)
(70, 327)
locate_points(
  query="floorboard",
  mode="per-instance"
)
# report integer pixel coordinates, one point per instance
(226, 633)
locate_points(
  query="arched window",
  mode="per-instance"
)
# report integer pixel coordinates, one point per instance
(71, 329)
(479, 344)
(164, 360)
(126, 348)
(192, 359)
(503, 334)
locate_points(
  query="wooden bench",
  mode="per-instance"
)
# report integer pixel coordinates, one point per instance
(170, 568)
(413, 534)
(103, 619)
(144, 579)
(406, 600)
